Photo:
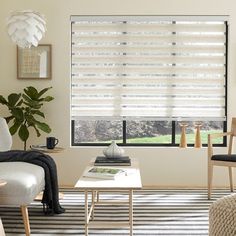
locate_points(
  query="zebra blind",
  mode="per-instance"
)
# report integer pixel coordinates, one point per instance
(139, 67)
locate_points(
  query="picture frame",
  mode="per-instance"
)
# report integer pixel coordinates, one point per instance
(34, 62)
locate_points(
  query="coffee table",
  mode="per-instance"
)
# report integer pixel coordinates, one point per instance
(129, 182)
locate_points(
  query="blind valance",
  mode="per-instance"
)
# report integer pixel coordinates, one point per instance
(137, 67)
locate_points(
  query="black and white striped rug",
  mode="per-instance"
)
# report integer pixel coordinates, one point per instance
(156, 212)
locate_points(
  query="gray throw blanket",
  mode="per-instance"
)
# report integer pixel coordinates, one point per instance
(50, 195)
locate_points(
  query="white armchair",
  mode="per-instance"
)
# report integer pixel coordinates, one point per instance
(24, 180)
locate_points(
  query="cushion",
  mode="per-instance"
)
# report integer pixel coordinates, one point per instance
(5, 136)
(224, 157)
(24, 182)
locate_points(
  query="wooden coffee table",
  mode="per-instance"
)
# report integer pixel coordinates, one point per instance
(129, 182)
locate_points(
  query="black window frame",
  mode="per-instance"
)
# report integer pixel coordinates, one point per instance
(124, 143)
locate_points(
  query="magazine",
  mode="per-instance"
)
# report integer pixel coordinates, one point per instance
(104, 173)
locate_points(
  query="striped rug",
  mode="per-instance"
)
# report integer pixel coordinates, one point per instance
(156, 212)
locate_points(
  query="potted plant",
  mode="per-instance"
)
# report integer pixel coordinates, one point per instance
(25, 112)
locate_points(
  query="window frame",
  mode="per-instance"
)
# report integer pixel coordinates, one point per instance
(173, 134)
(124, 143)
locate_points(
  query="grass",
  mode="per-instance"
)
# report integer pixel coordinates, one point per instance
(167, 138)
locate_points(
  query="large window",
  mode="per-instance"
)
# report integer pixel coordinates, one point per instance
(135, 78)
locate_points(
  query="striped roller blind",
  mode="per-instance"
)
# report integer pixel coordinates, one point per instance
(140, 67)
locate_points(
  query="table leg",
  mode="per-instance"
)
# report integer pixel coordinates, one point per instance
(93, 203)
(86, 212)
(131, 211)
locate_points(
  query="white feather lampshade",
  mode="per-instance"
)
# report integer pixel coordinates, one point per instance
(5, 136)
(26, 28)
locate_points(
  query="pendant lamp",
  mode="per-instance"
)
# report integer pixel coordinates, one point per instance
(26, 28)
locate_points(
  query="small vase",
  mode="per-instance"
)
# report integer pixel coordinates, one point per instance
(198, 142)
(183, 142)
(113, 151)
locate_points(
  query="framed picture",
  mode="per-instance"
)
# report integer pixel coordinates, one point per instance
(34, 62)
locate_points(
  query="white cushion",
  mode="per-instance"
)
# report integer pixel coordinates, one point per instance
(24, 182)
(5, 136)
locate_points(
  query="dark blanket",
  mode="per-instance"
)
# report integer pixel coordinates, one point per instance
(50, 194)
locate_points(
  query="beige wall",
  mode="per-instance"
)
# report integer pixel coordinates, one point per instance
(160, 166)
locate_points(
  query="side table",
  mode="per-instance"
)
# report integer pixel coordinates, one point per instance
(2, 232)
(44, 149)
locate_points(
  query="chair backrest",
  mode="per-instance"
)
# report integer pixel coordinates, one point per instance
(233, 131)
(233, 126)
(5, 136)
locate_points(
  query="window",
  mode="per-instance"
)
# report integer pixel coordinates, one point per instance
(134, 78)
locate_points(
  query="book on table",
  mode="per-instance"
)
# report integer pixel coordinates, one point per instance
(114, 161)
(104, 173)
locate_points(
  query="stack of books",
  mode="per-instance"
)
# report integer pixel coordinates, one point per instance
(114, 161)
(104, 173)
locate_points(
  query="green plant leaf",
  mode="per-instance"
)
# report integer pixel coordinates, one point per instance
(18, 113)
(13, 99)
(47, 99)
(30, 120)
(43, 91)
(37, 131)
(31, 92)
(39, 113)
(28, 99)
(23, 133)
(19, 103)
(33, 105)
(43, 126)
(15, 127)
(3, 100)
